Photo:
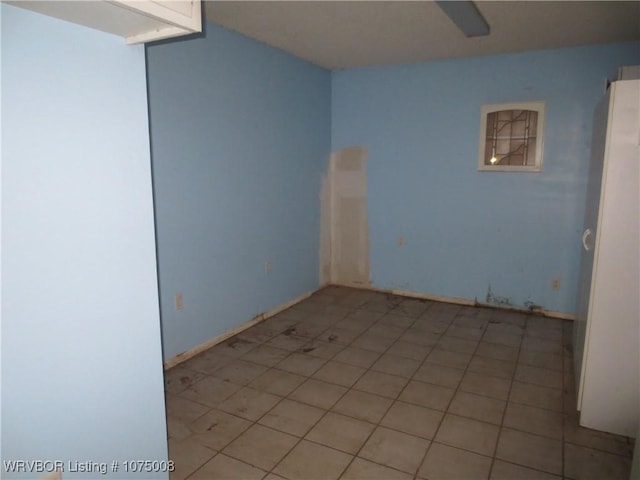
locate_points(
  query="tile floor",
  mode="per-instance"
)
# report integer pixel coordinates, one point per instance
(353, 384)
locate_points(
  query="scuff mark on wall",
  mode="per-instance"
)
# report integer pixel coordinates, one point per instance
(496, 299)
(533, 307)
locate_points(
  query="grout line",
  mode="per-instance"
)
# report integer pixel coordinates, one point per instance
(506, 406)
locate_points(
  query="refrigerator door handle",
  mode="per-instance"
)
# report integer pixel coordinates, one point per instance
(587, 233)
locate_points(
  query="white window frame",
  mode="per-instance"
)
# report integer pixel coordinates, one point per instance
(537, 106)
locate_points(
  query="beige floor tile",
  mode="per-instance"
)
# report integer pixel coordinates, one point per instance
(340, 335)
(188, 455)
(542, 331)
(217, 429)
(317, 393)
(487, 385)
(587, 437)
(539, 376)
(273, 476)
(508, 471)
(184, 409)
(536, 396)
(396, 365)
(470, 317)
(541, 345)
(505, 328)
(177, 429)
(375, 343)
(478, 407)
(534, 420)
(211, 391)
(339, 373)
(394, 449)
(321, 349)
(412, 419)
(449, 463)
(582, 463)
(417, 335)
(499, 352)
(357, 357)
(502, 338)
(534, 451)
(449, 359)
(456, 344)
(249, 403)
(361, 469)
(544, 322)
(310, 461)
(412, 307)
(446, 311)
(178, 379)
(377, 307)
(258, 334)
(292, 417)
(363, 405)
(427, 395)
(468, 434)
(409, 350)
(466, 333)
(431, 324)
(236, 346)
(311, 327)
(261, 447)
(277, 382)
(381, 384)
(340, 432)
(368, 316)
(398, 318)
(385, 331)
(551, 361)
(265, 355)
(227, 468)
(491, 366)
(207, 362)
(240, 372)
(291, 343)
(439, 375)
(301, 364)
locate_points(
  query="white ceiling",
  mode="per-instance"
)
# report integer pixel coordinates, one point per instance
(343, 34)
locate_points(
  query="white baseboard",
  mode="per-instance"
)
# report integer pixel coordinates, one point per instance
(184, 356)
(468, 302)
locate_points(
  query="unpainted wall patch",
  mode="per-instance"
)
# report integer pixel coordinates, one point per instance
(344, 228)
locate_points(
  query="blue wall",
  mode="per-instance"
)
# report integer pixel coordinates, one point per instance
(81, 351)
(240, 136)
(467, 233)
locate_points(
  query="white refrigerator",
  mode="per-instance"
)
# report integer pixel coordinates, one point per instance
(606, 337)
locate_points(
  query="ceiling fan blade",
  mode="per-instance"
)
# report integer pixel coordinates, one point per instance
(466, 16)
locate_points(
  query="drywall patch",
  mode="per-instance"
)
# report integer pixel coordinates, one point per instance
(325, 228)
(344, 242)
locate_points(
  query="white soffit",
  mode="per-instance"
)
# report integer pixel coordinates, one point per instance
(345, 34)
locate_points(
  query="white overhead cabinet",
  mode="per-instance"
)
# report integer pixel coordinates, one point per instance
(138, 21)
(606, 333)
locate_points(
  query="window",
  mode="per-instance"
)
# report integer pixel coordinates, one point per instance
(511, 137)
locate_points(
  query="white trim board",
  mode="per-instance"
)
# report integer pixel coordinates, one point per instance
(471, 303)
